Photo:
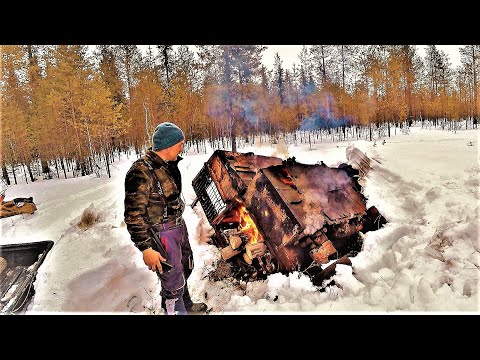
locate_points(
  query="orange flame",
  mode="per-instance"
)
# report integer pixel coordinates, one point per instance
(248, 226)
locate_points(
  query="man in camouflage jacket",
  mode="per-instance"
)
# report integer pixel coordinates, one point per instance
(154, 207)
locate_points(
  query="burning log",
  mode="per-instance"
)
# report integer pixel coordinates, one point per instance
(247, 259)
(235, 242)
(254, 250)
(227, 252)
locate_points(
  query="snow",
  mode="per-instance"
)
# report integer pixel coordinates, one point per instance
(425, 259)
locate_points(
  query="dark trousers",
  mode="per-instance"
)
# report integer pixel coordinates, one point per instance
(178, 237)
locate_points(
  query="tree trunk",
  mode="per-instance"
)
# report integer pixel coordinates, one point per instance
(30, 173)
(234, 131)
(5, 174)
(56, 168)
(14, 176)
(77, 137)
(45, 169)
(108, 164)
(475, 102)
(63, 167)
(25, 173)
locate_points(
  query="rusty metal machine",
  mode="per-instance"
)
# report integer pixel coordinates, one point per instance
(273, 215)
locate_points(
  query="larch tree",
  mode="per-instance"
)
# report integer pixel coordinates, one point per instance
(68, 73)
(149, 102)
(50, 116)
(419, 87)
(305, 64)
(279, 76)
(344, 59)
(186, 87)
(321, 58)
(396, 100)
(229, 91)
(210, 64)
(446, 91)
(438, 77)
(129, 63)
(102, 121)
(38, 125)
(108, 64)
(15, 144)
(470, 59)
(109, 70)
(433, 63)
(166, 61)
(407, 54)
(241, 66)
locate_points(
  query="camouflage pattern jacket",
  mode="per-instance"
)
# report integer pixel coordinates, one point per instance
(143, 203)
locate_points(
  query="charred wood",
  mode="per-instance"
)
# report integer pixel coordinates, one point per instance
(235, 242)
(247, 259)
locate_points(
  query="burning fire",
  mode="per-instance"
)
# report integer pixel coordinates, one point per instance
(248, 226)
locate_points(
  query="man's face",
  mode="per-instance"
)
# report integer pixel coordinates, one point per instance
(171, 153)
(176, 150)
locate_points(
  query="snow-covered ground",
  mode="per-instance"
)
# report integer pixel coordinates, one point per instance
(427, 258)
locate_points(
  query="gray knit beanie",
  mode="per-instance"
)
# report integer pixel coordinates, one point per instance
(166, 134)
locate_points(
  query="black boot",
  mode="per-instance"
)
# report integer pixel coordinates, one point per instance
(190, 306)
(199, 307)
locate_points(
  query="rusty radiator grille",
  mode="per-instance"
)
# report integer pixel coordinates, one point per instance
(208, 194)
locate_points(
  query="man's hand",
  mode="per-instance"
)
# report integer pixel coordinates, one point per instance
(152, 258)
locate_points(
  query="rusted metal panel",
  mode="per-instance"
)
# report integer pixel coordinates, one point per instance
(226, 184)
(327, 190)
(233, 172)
(292, 258)
(314, 195)
(249, 162)
(273, 216)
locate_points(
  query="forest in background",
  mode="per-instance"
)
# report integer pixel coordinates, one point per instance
(66, 110)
